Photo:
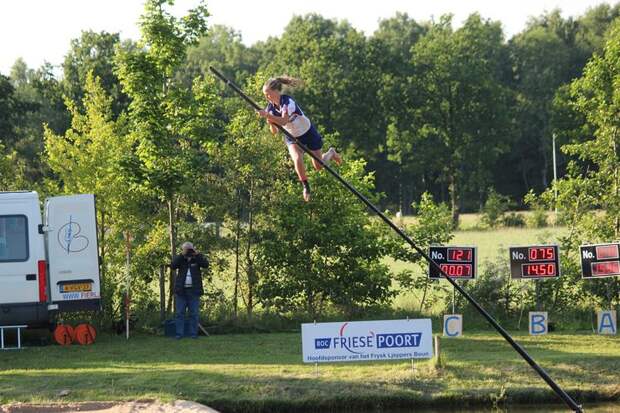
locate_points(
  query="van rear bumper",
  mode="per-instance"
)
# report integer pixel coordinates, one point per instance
(79, 305)
(38, 315)
(31, 314)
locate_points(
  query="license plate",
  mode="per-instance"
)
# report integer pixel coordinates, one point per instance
(69, 288)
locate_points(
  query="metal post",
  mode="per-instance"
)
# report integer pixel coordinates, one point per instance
(541, 372)
(162, 294)
(453, 298)
(555, 178)
(127, 282)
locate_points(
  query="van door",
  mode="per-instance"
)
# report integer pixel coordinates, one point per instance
(72, 251)
(21, 248)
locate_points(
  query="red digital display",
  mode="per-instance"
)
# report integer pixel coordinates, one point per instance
(456, 270)
(606, 252)
(541, 253)
(605, 268)
(460, 254)
(539, 270)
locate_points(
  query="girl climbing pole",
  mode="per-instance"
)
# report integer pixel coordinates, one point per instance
(282, 110)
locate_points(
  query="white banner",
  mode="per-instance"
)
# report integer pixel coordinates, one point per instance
(367, 340)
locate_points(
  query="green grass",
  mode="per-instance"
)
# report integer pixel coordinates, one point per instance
(473, 221)
(263, 372)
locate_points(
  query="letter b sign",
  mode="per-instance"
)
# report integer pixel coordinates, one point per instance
(538, 323)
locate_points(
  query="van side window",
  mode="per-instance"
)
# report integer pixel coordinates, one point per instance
(13, 238)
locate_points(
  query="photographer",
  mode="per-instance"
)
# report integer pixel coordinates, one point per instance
(188, 288)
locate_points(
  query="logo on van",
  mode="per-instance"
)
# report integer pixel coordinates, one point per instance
(70, 239)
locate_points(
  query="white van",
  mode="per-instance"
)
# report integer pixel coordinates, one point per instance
(47, 266)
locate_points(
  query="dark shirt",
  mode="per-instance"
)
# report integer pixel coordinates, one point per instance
(194, 263)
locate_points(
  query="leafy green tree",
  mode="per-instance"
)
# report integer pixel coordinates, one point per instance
(93, 53)
(494, 208)
(248, 162)
(223, 49)
(87, 159)
(592, 28)
(165, 118)
(432, 226)
(326, 253)
(543, 60)
(41, 103)
(593, 178)
(462, 109)
(9, 107)
(11, 171)
(390, 49)
(339, 82)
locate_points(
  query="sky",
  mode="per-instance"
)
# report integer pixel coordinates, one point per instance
(41, 30)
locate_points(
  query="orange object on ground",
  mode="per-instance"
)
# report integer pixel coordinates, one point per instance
(64, 334)
(85, 334)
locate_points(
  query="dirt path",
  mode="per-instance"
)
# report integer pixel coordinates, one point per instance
(147, 406)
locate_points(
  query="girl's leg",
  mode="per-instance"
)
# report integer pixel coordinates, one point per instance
(297, 155)
(315, 163)
(326, 157)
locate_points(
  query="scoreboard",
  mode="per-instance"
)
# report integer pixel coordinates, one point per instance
(600, 260)
(457, 262)
(535, 261)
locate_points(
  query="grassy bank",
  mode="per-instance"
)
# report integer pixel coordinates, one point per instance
(263, 372)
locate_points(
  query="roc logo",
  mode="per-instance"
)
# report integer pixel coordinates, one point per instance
(322, 343)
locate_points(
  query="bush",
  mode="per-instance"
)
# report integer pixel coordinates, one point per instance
(513, 220)
(494, 208)
(538, 218)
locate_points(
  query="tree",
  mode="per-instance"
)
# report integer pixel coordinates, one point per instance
(9, 107)
(326, 253)
(390, 49)
(88, 159)
(339, 79)
(543, 60)
(432, 226)
(163, 113)
(224, 49)
(93, 53)
(592, 182)
(462, 105)
(41, 102)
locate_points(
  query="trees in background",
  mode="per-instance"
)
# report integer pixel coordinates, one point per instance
(423, 111)
(462, 107)
(589, 194)
(163, 114)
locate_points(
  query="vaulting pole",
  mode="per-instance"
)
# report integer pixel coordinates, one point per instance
(557, 389)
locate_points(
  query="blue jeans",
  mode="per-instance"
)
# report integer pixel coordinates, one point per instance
(191, 302)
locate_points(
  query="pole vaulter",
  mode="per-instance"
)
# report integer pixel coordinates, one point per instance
(517, 347)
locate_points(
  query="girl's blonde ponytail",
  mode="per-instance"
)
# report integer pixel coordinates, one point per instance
(276, 83)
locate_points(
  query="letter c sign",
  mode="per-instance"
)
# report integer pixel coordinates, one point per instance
(452, 325)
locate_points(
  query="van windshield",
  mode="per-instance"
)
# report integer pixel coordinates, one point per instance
(13, 238)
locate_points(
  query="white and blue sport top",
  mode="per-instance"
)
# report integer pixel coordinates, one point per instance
(298, 123)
